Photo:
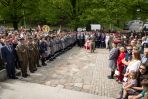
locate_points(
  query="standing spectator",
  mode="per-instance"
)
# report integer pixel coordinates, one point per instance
(8, 58)
(78, 39)
(98, 40)
(120, 65)
(110, 41)
(103, 41)
(107, 41)
(144, 59)
(114, 53)
(82, 39)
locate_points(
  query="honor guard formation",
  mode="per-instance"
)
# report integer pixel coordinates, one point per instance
(128, 57)
(27, 51)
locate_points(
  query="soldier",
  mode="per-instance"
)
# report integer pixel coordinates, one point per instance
(43, 51)
(36, 50)
(31, 55)
(54, 46)
(51, 49)
(22, 53)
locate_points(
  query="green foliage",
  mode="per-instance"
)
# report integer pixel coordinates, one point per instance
(74, 13)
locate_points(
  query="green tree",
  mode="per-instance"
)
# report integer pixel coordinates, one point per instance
(15, 10)
(74, 13)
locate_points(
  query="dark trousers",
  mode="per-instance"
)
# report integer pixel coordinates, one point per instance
(81, 42)
(32, 66)
(103, 44)
(98, 44)
(37, 59)
(17, 64)
(10, 67)
(1, 64)
(78, 42)
(43, 59)
(24, 66)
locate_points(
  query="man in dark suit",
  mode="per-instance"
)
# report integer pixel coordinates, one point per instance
(8, 58)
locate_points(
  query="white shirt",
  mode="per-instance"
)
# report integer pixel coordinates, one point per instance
(133, 66)
(107, 38)
(86, 37)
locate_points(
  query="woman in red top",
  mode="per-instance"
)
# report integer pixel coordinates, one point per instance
(120, 65)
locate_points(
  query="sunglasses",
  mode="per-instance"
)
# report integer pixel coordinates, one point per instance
(129, 49)
(141, 68)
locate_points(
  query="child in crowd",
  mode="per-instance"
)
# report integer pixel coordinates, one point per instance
(120, 65)
(127, 86)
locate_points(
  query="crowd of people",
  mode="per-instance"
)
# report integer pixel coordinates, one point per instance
(96, 39)
(128, 58)
(26, 50)
(128, 61)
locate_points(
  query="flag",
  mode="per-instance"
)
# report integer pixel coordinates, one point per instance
(58, 32)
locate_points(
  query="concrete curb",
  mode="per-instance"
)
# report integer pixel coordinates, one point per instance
(3, 75)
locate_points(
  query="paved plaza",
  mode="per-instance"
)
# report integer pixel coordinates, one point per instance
(77, 70)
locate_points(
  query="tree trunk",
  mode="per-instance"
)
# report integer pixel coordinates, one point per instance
(118, 23)
(15, 25)
(73, 3)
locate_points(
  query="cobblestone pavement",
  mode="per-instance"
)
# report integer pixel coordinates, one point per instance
(78, 70)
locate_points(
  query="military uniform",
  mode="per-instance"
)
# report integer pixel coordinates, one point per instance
(22, 53)
(43, 52)
(37, 54)
(63, 43)
(51, 45)
(31, 57)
